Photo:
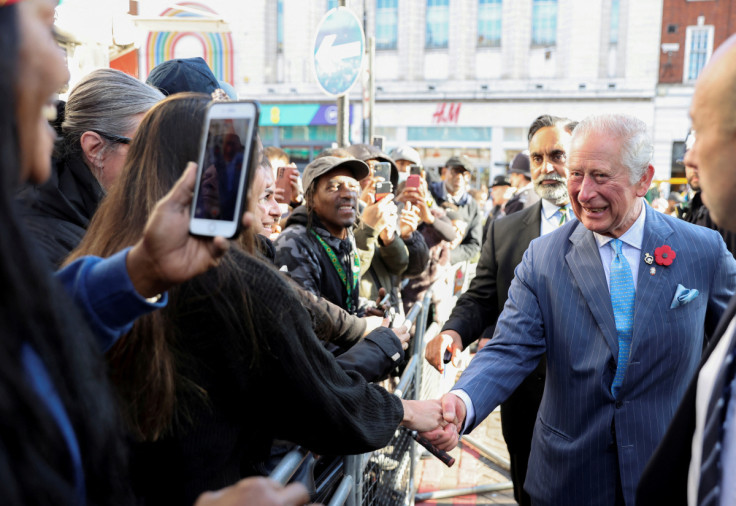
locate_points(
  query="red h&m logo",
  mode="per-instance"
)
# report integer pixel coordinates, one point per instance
(446, 113)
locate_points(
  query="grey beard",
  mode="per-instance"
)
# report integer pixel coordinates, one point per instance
(557, 194)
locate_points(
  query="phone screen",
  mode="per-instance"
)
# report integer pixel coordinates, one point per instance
(220, 190)
(283, 181)
(378, 141)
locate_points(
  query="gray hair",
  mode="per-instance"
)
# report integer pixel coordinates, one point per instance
(547, 120)
(636, 145)
(105, 100)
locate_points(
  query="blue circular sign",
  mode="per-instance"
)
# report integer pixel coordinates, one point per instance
(338, 51)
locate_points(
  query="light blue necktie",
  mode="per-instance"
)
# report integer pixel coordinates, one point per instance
(622, 298)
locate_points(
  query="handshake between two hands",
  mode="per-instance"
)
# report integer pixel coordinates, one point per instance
(438, 421)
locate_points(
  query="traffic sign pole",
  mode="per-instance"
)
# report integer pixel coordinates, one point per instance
(343, 121)
(343, 111)
(371, 86)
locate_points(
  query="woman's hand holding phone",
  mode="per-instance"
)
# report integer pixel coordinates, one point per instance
(167, 254)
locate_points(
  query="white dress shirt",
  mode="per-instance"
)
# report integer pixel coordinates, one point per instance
(551, 217)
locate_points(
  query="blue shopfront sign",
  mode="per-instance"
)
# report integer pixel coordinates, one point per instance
(299, 114)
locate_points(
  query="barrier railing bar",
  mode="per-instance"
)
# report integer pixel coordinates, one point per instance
(480, 489)
(354, 466)
(342, 492)
(412, 315)
(487, 452)
(406, 377)
(285, 469)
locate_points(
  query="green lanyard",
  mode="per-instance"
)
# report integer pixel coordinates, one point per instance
(340, 270)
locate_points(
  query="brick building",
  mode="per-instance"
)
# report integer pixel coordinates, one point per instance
(691, 30)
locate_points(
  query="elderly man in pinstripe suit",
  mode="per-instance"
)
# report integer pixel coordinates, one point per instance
(621, 302)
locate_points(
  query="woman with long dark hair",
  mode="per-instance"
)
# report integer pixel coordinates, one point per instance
(232, 361)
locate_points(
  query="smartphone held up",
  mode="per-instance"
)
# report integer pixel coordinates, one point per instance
(382, 175)
(225, 169)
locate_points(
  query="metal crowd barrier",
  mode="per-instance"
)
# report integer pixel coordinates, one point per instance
(386, 477)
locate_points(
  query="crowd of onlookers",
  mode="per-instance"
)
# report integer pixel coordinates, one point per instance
(158, 367)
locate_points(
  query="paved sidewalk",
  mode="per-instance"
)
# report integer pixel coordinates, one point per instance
(470, 469)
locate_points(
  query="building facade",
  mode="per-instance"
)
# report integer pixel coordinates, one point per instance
(691, 30)
(451, 76)
(469, 76)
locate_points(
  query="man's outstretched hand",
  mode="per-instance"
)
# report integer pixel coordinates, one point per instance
(453, 414)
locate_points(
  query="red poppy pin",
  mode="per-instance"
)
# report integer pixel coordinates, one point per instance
(664, 255)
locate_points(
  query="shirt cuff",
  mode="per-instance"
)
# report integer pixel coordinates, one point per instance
(469, 410)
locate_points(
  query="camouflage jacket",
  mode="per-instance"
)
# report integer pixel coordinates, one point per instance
(302, 256)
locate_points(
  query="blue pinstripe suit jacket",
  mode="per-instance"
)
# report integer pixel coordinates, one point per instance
(559, 303)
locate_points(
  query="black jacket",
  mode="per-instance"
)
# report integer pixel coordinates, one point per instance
(310, 266)
(373, 357)
(695, 212)
(57, 213)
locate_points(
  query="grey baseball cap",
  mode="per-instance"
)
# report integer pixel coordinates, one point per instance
(406, 153)
(367, 152)
(323, 165)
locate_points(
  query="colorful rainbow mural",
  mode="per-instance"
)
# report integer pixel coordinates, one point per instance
(217, 48)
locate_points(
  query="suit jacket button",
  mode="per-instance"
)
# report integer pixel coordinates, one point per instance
(619, 404)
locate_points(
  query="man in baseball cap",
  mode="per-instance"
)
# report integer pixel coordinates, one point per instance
(404, 156)
(452, 194)
(317, 247)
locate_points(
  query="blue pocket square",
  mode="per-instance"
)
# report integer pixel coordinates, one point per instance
(683, 296)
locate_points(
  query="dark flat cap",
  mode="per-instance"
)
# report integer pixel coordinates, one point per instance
(501, 180)
(520, 165)
(183, 74)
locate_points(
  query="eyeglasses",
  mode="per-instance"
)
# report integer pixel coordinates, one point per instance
(118, 139)
(689, 141)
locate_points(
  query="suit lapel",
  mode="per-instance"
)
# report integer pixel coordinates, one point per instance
(584, 262)
(648, 287)
(532, 224)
